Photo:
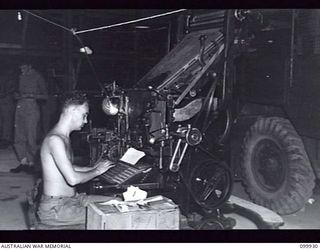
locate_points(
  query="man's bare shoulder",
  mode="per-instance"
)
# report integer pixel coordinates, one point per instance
(53, 140)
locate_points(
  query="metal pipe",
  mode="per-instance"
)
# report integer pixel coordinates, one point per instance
(226, 53)
(206, 27)
(292, 48)
(182, 154)
(202, 48)
(127, 116)
(161, 156)
(209, 16)
(169, 38)
(175, 154)
(215, 21)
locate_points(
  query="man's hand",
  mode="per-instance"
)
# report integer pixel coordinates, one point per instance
(103, 166)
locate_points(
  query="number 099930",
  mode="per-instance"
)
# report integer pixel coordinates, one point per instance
(308, 245)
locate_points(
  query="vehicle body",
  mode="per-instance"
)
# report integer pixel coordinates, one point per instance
(277, 118)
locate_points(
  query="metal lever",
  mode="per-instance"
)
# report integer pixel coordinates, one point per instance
(183, 132)
(174, 167)
(202, 39)
(155, 91)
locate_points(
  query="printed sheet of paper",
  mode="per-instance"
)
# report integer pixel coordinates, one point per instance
(132, 156)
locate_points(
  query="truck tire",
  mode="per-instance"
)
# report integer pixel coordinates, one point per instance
(277, 173)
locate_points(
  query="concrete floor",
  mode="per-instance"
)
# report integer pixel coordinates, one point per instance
(306, 218)
(13, 188)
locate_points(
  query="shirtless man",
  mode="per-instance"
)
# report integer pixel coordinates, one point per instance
(60, 203)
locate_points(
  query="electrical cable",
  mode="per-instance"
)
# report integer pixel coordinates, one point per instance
(129, 22)
(91, 65)
(75, 33)
(79, 40)
(49, 21)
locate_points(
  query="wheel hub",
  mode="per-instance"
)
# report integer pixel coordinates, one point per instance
(269, 165)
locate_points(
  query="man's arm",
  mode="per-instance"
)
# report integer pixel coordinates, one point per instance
(58, 152)
(83, 169)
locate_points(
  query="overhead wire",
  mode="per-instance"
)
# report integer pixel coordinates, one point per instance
(129, 22)
(71, 30)
(91, 64)
(75, 33)
(48, 21)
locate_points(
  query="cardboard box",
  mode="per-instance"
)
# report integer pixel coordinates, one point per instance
(160, 214)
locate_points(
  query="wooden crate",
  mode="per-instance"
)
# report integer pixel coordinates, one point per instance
(161, 215)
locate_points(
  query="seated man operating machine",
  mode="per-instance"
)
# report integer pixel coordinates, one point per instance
(60, 204)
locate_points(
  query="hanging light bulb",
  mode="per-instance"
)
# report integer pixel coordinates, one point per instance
(19, 16)
(86, 50)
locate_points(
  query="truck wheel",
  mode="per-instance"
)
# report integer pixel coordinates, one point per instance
(277, 173)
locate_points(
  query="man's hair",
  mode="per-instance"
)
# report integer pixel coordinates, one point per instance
(76, 98)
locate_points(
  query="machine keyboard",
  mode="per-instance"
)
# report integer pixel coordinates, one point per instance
(123, 172)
